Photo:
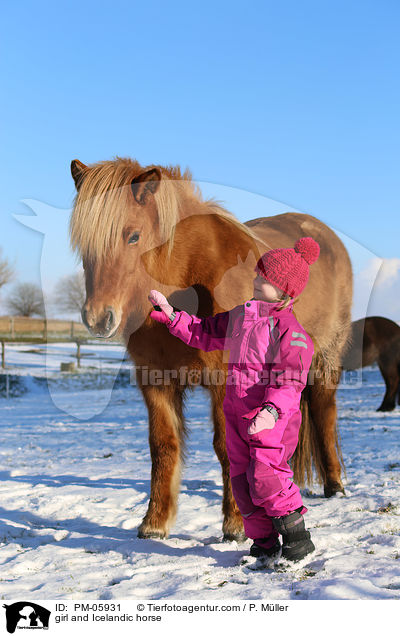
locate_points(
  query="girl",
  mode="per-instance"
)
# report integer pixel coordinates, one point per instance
(270, 356)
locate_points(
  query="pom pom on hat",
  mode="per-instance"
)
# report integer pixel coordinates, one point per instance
(308, 248)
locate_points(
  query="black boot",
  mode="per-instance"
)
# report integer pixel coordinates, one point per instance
(258, 551)
(296, 539)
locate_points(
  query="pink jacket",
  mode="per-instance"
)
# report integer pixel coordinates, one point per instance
(270, 353)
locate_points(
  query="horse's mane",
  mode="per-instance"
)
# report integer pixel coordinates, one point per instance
(97, 222)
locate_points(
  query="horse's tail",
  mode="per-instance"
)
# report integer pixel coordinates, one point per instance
(306, 450)
(308, 459)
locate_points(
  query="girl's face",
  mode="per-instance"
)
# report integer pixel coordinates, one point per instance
(263, 290)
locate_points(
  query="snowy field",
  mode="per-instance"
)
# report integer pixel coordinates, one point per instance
(74, 490)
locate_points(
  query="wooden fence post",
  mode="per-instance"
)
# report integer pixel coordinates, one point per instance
(3, 355)
(78, 353)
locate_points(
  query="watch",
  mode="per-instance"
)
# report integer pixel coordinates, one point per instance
(271, 409)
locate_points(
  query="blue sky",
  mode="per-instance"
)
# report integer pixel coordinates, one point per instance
(293, 102)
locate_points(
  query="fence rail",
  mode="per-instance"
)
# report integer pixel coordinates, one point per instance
(14, 328)
(39, 330)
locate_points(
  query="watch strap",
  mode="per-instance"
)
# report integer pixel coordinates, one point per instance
(271, 409)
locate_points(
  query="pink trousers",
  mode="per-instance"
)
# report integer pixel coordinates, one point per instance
(262, 480)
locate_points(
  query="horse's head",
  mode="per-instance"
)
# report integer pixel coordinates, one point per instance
(140, 228)
(114, 222)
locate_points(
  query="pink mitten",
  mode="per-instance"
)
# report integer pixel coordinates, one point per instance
(264, 420)
(163, 309)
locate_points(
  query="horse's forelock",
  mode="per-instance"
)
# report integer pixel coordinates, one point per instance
(98, 214)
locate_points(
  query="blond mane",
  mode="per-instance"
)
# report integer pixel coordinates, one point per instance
(97, 220)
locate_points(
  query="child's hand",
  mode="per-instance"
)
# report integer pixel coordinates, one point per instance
(164, 309)
(264, 420)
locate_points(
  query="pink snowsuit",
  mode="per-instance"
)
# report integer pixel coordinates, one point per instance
(270, 356)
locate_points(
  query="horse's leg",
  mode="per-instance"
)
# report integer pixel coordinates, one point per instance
(166, 429)
(390, 374)
(232, 526)
(322, 404)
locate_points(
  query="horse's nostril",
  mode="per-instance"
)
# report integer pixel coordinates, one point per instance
(109, 320)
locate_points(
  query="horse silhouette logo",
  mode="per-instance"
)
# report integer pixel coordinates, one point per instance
(26, 615)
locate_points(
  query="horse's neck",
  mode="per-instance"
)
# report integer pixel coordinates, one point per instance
(205, 256)
(199, 241)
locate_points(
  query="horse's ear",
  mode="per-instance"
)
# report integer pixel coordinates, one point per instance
(145, 183)
(78, 170)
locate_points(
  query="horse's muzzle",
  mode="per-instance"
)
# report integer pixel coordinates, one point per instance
(103, 326)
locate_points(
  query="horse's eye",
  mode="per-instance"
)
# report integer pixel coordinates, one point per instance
(133, 238)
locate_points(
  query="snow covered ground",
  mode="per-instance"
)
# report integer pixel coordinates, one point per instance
(73, 492)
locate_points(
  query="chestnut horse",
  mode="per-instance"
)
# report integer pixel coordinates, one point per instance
(377, 339)
(141, 228)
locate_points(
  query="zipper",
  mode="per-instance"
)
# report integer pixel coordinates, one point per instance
(242, 357)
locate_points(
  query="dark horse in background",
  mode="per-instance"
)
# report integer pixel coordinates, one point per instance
(140, 228)
(377, 339)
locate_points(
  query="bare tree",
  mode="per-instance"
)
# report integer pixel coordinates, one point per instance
(70, 293)
(6, 271)
(26, 299)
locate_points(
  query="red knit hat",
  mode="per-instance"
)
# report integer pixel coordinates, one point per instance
(288, 268)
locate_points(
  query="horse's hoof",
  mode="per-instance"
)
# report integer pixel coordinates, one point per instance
(240, 537)
(331, 489)
(385, 408)
(152, 534)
